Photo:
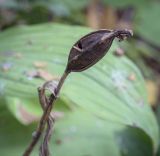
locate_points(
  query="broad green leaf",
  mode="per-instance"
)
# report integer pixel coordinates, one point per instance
(105, 90)
(78, 133)
(147, 24)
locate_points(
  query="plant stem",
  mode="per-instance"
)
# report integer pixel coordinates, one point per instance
(45, 116)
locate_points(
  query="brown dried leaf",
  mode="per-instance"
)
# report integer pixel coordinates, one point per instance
(40, 73)
(58, 141)
(57, 115)
(45, 75)
(18, 55)
(132, 77)
(40, 64)
(31, 73)
(27, 117)
(7, 66)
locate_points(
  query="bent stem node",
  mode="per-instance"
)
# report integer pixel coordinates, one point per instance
(45, 116)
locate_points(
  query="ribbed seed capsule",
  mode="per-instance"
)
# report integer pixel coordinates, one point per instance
(92, 47)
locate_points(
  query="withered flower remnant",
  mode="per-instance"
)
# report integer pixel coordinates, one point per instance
(92, 47)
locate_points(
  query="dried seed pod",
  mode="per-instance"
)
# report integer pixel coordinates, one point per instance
(92, 47)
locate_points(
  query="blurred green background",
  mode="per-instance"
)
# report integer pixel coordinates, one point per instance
(110, 109)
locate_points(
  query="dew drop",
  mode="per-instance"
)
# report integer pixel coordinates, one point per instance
(119, 79)
(73, 129)
(141, 103)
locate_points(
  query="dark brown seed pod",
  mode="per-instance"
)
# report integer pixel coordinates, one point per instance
(92, 47)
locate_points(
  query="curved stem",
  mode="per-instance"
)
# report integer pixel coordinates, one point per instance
(45, 116)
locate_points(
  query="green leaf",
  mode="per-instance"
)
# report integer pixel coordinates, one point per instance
(147, 24)
(104, 90)
(93, 136)
(78, 133)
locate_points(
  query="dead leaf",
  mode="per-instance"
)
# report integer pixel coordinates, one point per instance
(57, 115)
(40, 73)
(25, 116)
(18, 55)
(46, 75)
(132, 77)
(40, 64)
(31, 74)
(7, 66)
(58, 141)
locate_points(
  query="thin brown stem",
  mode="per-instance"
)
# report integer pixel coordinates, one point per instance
(44, 148)
(45, 116)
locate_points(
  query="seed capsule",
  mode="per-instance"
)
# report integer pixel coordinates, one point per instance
(92, 47)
